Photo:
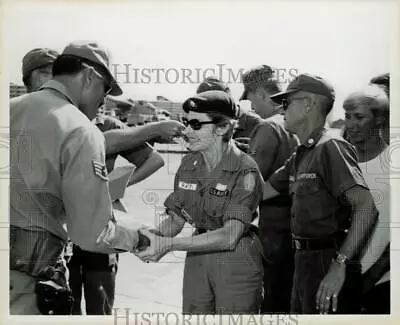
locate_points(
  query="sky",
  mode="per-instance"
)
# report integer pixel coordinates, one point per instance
(345, 42)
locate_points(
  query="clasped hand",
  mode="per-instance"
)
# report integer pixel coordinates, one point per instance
(159, 246)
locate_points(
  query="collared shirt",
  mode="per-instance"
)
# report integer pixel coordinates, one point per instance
(58, 173)
(316, 176)
(136, 156)
(208, 199)
(246, 124)
(270, 146)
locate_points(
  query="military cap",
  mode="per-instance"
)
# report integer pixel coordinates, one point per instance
(92, 52)
(212, 101)
(37, 58)
(212, 83)
(309, 83)
(254, 77)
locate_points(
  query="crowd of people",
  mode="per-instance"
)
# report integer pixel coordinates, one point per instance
(288, 216)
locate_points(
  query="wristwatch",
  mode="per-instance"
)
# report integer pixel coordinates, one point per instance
(341, 258)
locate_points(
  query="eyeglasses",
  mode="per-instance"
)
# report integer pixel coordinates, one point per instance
(195, 124)
(107, 86)
(286, 102)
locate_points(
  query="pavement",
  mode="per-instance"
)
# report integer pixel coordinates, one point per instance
(154, 287)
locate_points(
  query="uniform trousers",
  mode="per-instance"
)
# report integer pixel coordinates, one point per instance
(224, 282)
(311, 266)
(95, 273)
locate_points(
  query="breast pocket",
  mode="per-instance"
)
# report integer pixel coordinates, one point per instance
(214, 207)
(309, 199)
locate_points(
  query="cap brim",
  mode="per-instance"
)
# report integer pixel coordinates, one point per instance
(115, 88)
(279, 97)
(244, 95)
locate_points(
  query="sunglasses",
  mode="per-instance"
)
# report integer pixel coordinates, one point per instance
(107, 86)
(286, 102)
(195, 124)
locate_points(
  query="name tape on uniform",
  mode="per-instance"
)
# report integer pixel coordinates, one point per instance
(187, 186)
(100, 170)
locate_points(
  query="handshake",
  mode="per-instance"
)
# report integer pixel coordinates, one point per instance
(152, 245)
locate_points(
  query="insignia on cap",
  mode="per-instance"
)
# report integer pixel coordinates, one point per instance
(310, 141)
(192, 104)
(100, 170)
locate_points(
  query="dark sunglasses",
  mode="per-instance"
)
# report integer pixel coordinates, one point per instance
(195, 124)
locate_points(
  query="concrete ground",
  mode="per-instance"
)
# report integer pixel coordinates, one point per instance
(154, 287)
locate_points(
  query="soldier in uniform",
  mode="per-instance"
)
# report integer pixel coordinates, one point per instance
(96, 272)
(217, 190)
(271, 145)
(332, 209)
(37, 67)
(59, 184)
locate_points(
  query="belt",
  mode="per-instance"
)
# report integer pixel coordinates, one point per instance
(315, 243)
(33, 251)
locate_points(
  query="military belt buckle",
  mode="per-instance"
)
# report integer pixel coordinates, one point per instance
(297, 244)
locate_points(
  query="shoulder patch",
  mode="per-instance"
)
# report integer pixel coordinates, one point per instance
(100, 170)
(249, 182)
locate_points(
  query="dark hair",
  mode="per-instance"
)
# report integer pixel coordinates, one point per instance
(70, 65)
(222, 120)
(382, 80)
(271, 85)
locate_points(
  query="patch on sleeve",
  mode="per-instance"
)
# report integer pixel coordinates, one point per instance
(249, 182)
(100, 170)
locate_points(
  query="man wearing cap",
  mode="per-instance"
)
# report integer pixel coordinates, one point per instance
(37, 68)
(59, 184)
(271, 145)
(332, 211)
(217, 190)
(96, 272)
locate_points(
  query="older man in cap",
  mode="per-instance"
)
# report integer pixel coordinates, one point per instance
(37, 67)
(59, 184)
(332, 211)
(271, 145)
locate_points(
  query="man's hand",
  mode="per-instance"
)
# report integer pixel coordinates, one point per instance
(330, 287)
(169, 129)
(159, 246)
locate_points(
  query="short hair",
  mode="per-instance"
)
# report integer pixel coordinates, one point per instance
(374, 97)
(326, 104)
(71, 65)
(271, 85)
(222, 120)
(27, 79)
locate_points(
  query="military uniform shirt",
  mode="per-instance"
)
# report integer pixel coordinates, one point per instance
(316, 176)
(207, 200)
(270, 146)
(58, 173)
(136, 156)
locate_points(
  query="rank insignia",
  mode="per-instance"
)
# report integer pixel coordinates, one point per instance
(100, 170)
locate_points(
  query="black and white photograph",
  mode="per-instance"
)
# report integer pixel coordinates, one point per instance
(199, 162)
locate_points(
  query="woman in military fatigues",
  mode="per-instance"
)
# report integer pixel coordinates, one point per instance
(217, 189)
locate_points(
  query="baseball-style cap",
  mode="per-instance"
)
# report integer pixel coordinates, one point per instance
(212, 101)
(255, 77)
(37, 58)
(309, 83)
(212, 83)
(92, 52)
